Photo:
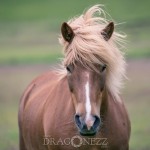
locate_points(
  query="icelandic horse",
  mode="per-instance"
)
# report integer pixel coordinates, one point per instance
(83, 98)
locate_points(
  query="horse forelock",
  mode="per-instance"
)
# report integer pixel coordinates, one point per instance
(89, 47)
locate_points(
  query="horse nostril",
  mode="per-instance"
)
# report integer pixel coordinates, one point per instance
(96, 122)
(87, 128)
(77, 120)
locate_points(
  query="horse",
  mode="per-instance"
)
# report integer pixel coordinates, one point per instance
(80, 103)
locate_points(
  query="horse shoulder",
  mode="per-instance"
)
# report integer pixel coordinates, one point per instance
(37, 82)
(31, 107)
(118, 124)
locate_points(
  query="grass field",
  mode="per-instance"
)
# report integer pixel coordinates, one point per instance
(29, 32)
(29, 29)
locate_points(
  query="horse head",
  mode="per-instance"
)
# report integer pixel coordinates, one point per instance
(86, 85)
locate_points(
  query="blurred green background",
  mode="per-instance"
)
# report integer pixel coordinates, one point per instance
(29, 32)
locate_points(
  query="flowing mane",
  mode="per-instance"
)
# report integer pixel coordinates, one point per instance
(90, 48)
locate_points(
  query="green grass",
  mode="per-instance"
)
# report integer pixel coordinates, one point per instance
(140, 124)
(30, 55)
(139, 53)
(9, 129)
(58, 10)
(26, 25)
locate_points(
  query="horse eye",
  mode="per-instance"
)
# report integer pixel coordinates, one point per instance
(69, 68)
(103, 68)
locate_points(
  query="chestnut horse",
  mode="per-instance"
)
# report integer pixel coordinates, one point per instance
(65, 109)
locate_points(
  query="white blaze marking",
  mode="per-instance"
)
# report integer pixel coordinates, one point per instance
(87, 103)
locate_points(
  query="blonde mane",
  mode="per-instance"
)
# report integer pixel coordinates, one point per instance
(89, 47)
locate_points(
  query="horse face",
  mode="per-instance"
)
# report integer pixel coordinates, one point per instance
(87, 87)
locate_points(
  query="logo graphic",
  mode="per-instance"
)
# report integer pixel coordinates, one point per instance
(76, 141)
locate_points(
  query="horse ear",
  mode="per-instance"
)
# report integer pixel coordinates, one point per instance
(67, 32)
(108, 31)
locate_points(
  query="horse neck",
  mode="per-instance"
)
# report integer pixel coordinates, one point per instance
(107, 101)
(109, 104)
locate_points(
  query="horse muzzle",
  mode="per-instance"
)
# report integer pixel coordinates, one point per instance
(87, 128)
